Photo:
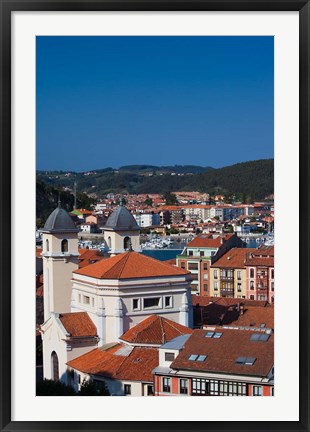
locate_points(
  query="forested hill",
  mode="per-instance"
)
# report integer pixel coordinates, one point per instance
(254, 178)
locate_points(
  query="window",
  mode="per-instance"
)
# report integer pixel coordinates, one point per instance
(47, 245)
(150, 390)
(202, 253)
(205, 266)
(205, 287)
(248, 361)
(263, 337)
(80, 299)
(166, 385)
(239, 275)
(194, 276)
(239, 287)
(93, 302)
(272, 391)
(215, 286)
(200, 386)
(272, 274)
(251, 272)
(257, 390)
(190, 253)
(272, 286)
(192, 266)
(251, 297)
(215, 274)
(109, 242)
(55, 366)
(205, 276)
(193, 357)
(86, 300)
(127, 243)
(127, 389)
(153, 302)
(169, 356)
(251, 285)
(64, 246)
(215, 335)
(135, 304)
(183, 265)
(168, 301)
(183, 386)
(201, 358)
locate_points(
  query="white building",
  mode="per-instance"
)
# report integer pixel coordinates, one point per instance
(121, 291)
(88, 307)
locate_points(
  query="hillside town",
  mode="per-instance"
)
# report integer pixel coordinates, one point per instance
(199, 324)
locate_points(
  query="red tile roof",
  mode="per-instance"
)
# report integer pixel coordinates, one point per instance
(234, 258)
(255, 316)
(154, 330)
(130, 265)
(135, 365)
(209, 241)
(78, 324)
(222, 353)
(89, 256)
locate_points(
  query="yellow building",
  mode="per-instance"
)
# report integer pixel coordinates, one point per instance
(228, 274)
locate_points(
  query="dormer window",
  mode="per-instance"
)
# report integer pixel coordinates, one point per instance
(64, 245)
(47, 245)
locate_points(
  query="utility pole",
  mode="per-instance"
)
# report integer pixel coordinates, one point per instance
(74, 206)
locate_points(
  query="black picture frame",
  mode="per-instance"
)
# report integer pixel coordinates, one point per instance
(7, 7)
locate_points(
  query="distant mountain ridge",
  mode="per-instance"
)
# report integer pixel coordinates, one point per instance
(253, 178)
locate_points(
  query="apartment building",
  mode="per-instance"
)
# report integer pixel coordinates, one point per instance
(228, 274)
(259, 266)
(200, 253)
(217, 361)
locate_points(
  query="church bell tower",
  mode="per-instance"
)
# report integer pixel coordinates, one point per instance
(60, 259)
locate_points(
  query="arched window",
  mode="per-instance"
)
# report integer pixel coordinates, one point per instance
(64, 245)
(109, 242)
(47, 244)
(127, 243)
(55, 366)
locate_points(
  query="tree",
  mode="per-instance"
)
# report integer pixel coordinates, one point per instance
(90, 388)
(170, 198)
(54, 388)
(148, 201)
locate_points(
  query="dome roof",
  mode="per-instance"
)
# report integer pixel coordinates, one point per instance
(59, 221)
(121, 220)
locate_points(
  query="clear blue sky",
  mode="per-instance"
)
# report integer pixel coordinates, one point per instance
(113, 101)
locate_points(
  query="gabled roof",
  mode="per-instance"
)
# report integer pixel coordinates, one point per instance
(116, 363)
(234, 258)
(263, 256)
(154, 330)
(130, 265)
(221, 353)
(209, 241)
(78, 324)
(89, 256)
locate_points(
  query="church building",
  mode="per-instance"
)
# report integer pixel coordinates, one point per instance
(95, 305)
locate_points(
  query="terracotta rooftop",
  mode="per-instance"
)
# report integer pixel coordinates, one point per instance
(154, 330)
(263, 256)
(89, 256)
(209, 240)
(130, 265)
(234, 258)
(234, 312)
(78, 324)
(135, 364)
(223, 352)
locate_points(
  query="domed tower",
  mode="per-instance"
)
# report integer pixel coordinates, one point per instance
(60, 259)
(121, 232)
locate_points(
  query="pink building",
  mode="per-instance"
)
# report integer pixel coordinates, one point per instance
(260, 274)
